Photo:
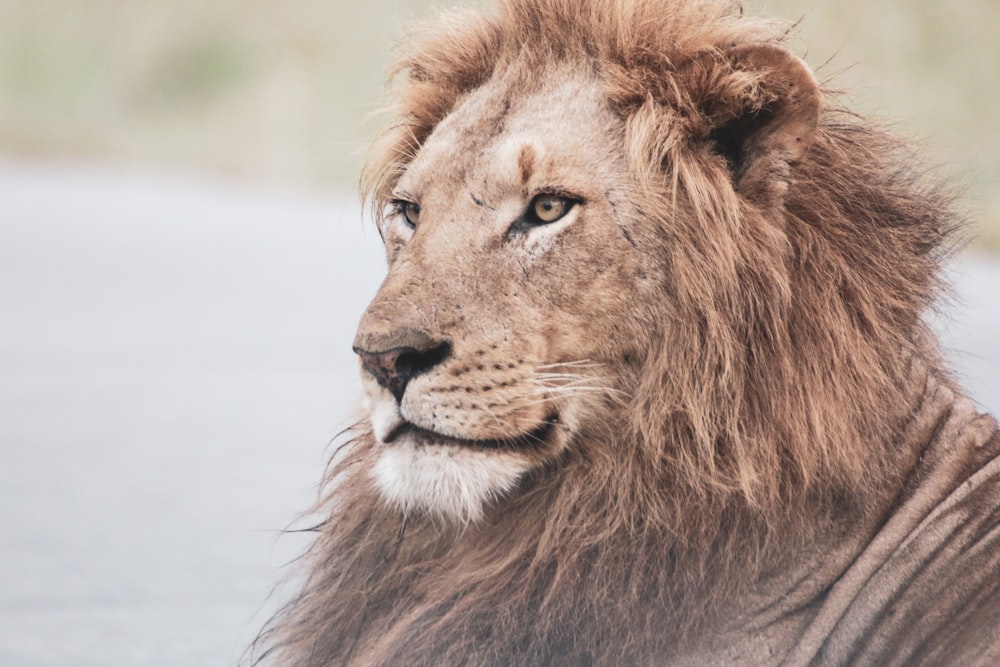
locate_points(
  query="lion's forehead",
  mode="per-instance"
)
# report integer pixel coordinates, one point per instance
(504, 135)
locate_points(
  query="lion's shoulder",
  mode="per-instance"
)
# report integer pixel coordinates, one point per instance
(926, 588)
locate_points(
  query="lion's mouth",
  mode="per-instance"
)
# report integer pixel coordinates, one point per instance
(534, 439)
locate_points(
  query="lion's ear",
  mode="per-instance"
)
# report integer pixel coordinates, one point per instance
(769, 122)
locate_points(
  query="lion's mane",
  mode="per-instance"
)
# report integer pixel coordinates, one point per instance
(795, 324)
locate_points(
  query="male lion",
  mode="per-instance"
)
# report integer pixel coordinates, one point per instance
(647, 382)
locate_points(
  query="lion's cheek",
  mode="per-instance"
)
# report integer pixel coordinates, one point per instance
(600, 335)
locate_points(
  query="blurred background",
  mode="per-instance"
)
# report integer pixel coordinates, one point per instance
(279, 91)
(183, 261)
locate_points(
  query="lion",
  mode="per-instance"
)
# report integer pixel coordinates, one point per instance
(648, 380)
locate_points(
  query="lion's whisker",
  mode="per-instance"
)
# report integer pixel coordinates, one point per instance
(581, 384)
(546, 397)
(582, 363)
(543, 388)
(558, 376)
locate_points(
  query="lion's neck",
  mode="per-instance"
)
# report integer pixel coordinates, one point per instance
(847, 580)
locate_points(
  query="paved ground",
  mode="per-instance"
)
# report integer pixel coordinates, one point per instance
(174, 356)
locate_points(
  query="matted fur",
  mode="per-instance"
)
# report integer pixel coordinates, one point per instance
(769, 415)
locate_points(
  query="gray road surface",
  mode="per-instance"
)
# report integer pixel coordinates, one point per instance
(174, 357)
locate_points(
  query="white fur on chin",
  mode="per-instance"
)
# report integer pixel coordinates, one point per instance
(449, 481)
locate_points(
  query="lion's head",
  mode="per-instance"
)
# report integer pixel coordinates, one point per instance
(513, 308)
(651, 302)
(602, 228)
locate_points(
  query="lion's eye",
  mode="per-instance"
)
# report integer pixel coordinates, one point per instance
(546, 208)
(409, 210)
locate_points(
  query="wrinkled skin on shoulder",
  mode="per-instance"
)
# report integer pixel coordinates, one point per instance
(507, 324)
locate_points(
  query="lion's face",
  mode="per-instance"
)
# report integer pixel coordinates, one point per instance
(507, 312)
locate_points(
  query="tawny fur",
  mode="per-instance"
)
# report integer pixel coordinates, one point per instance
(761, 408)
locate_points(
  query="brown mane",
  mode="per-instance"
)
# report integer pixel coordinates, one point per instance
(766, 418)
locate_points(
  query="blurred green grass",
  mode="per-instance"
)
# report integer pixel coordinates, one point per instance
(282, 91)
(274, 90)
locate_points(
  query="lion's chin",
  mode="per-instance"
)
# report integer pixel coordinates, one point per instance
(454, 482)
(451, 478)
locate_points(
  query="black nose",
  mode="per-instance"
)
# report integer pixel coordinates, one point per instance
(394, 368)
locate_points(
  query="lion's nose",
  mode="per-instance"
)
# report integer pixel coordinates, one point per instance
(393, 368)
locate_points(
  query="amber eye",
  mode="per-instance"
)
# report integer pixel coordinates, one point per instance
(548, 208)
(409, 210)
